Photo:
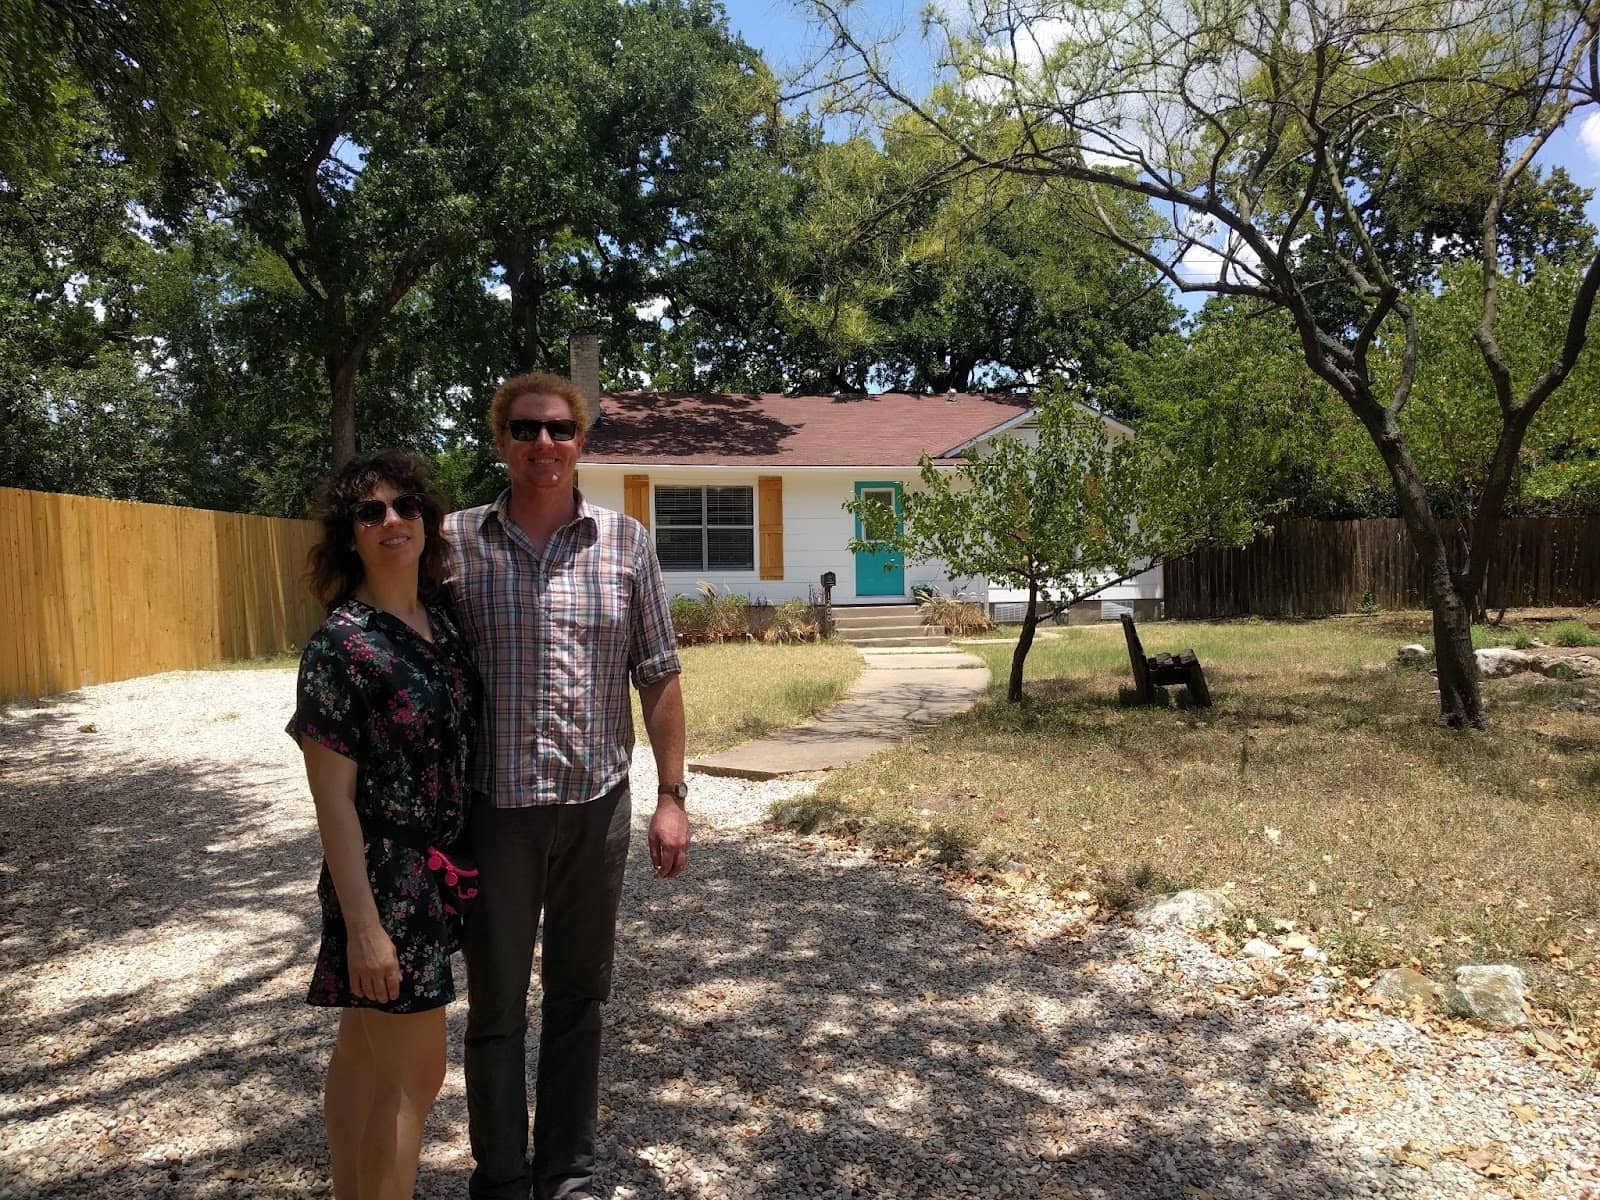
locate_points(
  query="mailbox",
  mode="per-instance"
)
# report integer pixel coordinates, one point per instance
(829, 579)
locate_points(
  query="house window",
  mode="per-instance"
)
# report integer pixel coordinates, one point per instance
(706, 528)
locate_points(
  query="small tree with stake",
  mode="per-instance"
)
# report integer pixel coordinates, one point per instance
(1065, 517)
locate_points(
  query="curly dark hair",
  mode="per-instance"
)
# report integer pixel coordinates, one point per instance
(333, 569)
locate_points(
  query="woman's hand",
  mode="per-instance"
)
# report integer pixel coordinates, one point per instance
(374, 968)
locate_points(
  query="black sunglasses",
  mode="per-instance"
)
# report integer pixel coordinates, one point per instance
(409, 507)
(526, 429)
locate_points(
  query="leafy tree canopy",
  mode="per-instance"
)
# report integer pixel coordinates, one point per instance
(179, 80)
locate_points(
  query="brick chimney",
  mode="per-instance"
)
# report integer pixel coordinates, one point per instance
(583, 357)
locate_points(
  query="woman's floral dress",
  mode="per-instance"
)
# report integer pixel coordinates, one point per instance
(406, 711)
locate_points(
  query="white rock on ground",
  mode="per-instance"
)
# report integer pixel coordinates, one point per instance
(1496, 662)
(1193, 909)
(1260, 948)
(791, 1019)
(1405, 984)
(1493, 993)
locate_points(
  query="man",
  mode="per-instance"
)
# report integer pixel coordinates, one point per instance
(562, 602)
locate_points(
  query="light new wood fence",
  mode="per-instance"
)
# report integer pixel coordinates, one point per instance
(95, 590)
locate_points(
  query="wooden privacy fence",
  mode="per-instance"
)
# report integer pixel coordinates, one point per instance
(95, 590)
(1313, 568)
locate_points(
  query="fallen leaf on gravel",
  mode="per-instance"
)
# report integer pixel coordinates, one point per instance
(1061, 1153)
(1523, 1112)
(1482, 1159)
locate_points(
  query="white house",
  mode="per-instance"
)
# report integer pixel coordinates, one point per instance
(745, 491)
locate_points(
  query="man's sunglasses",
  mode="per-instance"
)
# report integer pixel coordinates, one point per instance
(526, 429)
(372, 512)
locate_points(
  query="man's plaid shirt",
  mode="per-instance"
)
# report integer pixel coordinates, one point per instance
(556, 636)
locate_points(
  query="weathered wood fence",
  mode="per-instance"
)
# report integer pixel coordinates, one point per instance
(1313, 568)
(94, 590)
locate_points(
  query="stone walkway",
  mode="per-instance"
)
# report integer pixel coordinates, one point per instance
(901, 691)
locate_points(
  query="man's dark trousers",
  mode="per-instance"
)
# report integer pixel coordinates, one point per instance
(568, 860)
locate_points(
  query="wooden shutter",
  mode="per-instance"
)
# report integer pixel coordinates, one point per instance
(636, 498)
(770, 495)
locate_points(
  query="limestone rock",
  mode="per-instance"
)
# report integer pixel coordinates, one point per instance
(1414, 652)
(1405, 985)
(1500, 661)
(1193, 909)
(1260, 948)
(1490, 993)
(1567, 666)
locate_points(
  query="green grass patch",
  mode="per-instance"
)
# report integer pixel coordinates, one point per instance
(1518, 637)
(741, 690)
(1572, 633)
(276, 660)
(1321, 786)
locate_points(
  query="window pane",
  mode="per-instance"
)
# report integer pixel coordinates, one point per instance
(881, 498)
(678, 506)
(679, 549)
(730, 506)
(731, 549)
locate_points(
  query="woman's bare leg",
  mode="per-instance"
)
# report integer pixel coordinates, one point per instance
(346, 1101)
(405, 1057)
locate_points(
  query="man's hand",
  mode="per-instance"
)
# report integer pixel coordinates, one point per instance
(669, 837)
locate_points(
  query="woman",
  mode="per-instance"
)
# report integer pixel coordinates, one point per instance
(386, 712)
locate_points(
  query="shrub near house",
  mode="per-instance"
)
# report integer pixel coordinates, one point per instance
(715, 616)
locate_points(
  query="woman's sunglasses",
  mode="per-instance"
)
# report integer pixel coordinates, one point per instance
(372, 512)
(526, 429)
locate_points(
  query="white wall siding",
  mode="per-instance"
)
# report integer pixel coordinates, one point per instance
(816, 530)
(1145, 586)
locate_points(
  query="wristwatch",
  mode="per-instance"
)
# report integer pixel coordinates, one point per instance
(678, 791)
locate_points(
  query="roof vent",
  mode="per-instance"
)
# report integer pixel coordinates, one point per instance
(950, 396)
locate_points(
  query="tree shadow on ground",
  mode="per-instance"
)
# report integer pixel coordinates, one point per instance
(789, 1020)
(799, 1022)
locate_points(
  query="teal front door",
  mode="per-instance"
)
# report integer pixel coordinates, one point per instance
(879, 574)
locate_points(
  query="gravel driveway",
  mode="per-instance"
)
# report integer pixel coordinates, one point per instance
(791, 1019)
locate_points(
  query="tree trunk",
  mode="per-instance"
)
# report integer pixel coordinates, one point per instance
(1460, 695)
(342, 383)
(1451, 595)
(1030, 622)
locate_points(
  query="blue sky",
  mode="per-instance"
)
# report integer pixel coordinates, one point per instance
(779, 29)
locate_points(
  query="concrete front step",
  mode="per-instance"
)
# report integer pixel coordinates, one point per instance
(878, 643)
(887, 629)
(856, 611)
(845, 621)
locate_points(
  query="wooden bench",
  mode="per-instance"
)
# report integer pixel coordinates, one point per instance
(1154, 671)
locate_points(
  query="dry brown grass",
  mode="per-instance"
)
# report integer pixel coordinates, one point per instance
(1320, 786)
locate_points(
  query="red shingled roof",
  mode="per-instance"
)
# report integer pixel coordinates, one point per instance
(766, 429)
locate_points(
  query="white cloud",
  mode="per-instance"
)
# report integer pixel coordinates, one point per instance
(1203, 261)
(652, 310)
(501, 291)
(1589, 135)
